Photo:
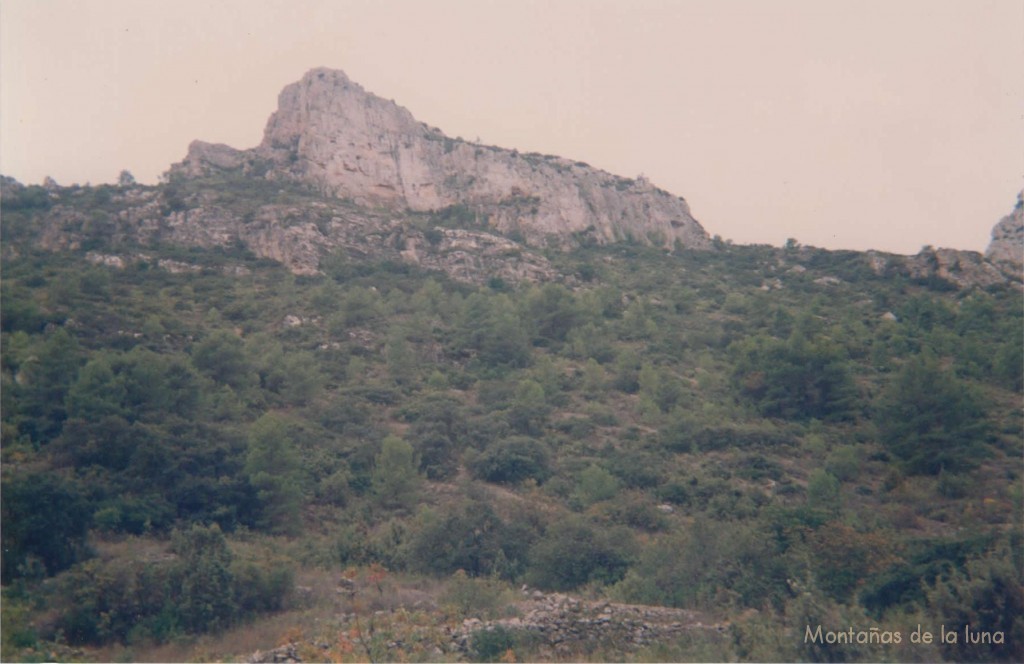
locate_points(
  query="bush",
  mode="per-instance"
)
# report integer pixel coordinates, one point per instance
(512, 460)
(221, 356)
(44, 519)
(493, 643)
(987, 594)
(101, 602)
(710, 566)
(634, 509)
(844, 558)
(844, 463)
(201, 589)
(206, 601)
(272, 466)
(924, 562)
(573, 553)
(395, 479)
(260, 588)
(471, 538)
(479, 597)
(437, 431)
(593, 485)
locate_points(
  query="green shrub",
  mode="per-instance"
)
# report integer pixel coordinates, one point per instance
(844, 463)
(396, 480)
(221, 356)
(492, 643)
(45, 519)
(261, 587)
(203, 588)
(481, 597)
(987, 594)
(593, 485)
(572, 553)
(101, 602)
(512, 460)
(931, 420)
(206, 599)
(635, 509)
(709, 566)
(471, 538)
(799, 378)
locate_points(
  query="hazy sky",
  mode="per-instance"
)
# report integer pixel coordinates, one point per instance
(885, 124)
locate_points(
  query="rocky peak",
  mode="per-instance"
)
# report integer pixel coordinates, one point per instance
(1007, 245)
(330, 133)
(204, 157)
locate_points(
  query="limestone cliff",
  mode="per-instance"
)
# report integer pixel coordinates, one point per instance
(1007, 246)
(332, 134)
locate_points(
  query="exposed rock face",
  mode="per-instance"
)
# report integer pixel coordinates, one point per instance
(296, 235)
(330, 133)
(962, 269)
(1007, 245)
(202, 156)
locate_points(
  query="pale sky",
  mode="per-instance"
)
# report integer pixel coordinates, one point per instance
(885, 124)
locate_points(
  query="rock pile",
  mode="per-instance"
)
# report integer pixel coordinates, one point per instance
(564, 625)
(286, 653)
(555, 626)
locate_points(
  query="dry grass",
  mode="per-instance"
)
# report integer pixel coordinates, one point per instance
(235, 644)
(129, 547)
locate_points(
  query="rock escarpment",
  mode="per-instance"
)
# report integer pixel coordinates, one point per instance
(330, 133)
(1007, 245)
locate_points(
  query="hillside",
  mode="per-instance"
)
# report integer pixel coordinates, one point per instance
(243, 414)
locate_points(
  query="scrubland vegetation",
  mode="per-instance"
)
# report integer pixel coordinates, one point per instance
(193, 462)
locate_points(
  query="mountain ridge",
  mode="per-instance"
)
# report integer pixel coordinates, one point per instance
(330, 133)
(342, 170)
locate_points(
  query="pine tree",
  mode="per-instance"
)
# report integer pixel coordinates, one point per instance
(395, 479)
(930, 419)
(272, 465)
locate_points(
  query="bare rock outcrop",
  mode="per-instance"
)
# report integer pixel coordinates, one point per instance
(1007, 245)
(958, 268)
(202, 156)
(297, 235)
(330, 133)
(1002, 263)
(964, 269)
